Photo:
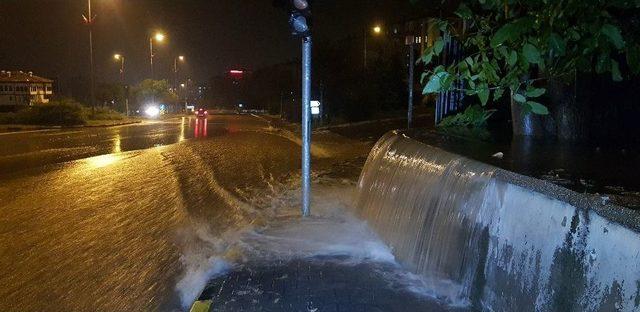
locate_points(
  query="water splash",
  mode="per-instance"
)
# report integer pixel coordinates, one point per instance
(478, 239)
(432, 225)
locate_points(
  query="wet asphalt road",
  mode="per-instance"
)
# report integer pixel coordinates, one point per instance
(24, 150)
(113, 219)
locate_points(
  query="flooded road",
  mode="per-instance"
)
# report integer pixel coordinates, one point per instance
(119, 231)
(22, 150)
(141, 218)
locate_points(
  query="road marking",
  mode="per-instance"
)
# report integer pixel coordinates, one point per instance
(29, 131)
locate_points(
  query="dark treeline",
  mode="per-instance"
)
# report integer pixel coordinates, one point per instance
(348, 90)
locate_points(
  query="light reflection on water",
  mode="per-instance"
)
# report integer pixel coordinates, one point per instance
(103, 160)
(200, 130)
(117, 144)
(181, 137)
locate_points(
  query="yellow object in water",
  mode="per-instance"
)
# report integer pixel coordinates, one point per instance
(201, 306)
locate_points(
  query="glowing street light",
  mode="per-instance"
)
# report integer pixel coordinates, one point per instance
(377, 30)
(121, 58)
(159, 37)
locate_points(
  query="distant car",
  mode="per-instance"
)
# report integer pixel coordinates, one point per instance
(202, 113)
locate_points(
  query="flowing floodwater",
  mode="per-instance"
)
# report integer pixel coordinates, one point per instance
(137, 230)
(478, 237)
(145, 230)
(426, 207)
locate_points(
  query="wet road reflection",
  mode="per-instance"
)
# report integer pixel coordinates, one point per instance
(200, 129)
(35, 149)
(122, 231)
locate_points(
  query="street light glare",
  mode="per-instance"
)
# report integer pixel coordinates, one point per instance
(181, 58)
(117, 56)
(377, 29)
(159, 37)
(301, 4)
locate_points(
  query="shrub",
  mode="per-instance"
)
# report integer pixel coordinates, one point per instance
(59, 113)
(101, 113)
(7, 118)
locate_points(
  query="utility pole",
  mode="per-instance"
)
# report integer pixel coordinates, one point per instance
(121, 58)
(377, 30)
(158, 37)
(411, 81)
(151, 56)
(175, 71)
(89, 19)
(364, 62)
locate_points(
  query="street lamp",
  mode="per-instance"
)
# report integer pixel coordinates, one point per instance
(377, 30)
(89, 20)
(175, 70)
(159, 37)
(121, 58)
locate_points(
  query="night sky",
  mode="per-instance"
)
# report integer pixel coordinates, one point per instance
(49, 38)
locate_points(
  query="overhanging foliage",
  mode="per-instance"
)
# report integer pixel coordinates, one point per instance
(515, 46)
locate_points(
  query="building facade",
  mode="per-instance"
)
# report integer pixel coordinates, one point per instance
(20, 89)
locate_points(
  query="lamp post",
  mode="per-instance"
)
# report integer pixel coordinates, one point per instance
(175, 71)
(121, 58)
(377, 30)
(89, 19)
(159, 37)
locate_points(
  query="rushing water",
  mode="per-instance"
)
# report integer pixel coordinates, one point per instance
(145, 230)
(480, 240)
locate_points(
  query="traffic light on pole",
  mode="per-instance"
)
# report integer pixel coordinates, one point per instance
(300, 15)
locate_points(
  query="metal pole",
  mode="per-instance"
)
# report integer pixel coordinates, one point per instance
(124, 86)
(175, 74)
(151, 54)
(410, 81)
(364, 35)
(281, 104)
(92, 78)
(306, 125)
(122, 70)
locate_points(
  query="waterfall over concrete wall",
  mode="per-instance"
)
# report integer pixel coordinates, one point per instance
(479, 236)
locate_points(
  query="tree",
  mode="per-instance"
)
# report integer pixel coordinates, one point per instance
(154, 91)
(111, 95)
(524, 47)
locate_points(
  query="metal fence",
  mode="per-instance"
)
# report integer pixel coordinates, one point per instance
(450, 102)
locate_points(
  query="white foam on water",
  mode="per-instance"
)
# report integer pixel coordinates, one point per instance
(331, 231)
(198, 273)
(278, 233)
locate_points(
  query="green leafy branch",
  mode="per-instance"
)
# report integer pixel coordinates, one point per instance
(510, 42)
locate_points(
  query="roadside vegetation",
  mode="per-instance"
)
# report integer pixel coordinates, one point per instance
(535, 54)
(61, 112)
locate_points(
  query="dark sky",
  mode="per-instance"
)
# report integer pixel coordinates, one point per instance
(48, 37)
